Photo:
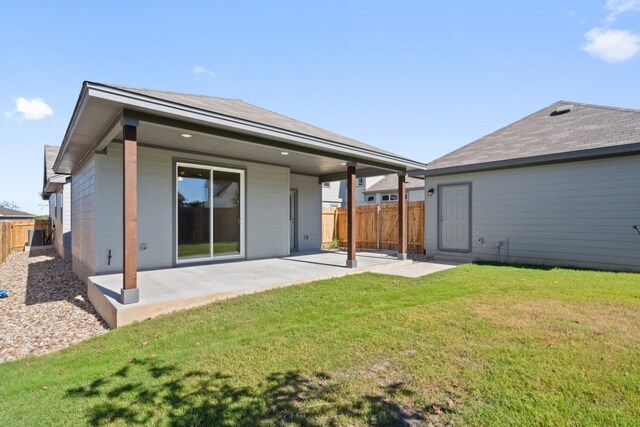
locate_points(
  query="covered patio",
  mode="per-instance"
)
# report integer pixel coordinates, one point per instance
(165, 184)
(166, 290)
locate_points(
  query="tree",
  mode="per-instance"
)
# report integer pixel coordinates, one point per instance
(9, 205)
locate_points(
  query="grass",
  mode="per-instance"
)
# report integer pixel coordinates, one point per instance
(202, 249)
(476, 345)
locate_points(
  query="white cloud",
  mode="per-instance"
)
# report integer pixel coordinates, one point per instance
(612, 45)
(30, 109)
(201, 71)
(617, 7)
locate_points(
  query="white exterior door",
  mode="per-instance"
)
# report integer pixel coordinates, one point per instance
(454, 217)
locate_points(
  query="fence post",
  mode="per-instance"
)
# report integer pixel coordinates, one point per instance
(335, 234)
(378, 226)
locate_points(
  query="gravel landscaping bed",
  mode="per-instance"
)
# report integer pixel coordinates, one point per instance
(47, 308)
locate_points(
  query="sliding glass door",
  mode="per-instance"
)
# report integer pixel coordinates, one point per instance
(209, 213)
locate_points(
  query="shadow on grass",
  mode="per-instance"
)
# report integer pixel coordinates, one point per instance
(143, 393)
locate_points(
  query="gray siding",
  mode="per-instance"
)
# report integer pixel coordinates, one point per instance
(577, 213)
(83, 219)
(52, 206)
(309, 211)
(267, 194)
(62, 221)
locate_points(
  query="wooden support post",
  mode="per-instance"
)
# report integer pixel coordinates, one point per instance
(351, 216)
(130, 293)
(402, 217)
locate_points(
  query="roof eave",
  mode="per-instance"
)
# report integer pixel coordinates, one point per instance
(571, 156)
(73, 123)
(130, 99)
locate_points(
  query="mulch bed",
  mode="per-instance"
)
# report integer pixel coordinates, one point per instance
(47, 308)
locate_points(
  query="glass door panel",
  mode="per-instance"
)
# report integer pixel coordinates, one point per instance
(227, 199)
(194, 212)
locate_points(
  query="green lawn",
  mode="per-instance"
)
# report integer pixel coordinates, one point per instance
(476, 345)
(203, 249)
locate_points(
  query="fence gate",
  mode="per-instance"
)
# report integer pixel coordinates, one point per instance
(20, 232)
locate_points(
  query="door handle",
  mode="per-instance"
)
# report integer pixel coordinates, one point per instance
(442, 218)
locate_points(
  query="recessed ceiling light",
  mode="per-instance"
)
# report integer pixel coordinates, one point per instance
(344, 163)
(284, 153)
(186, 135)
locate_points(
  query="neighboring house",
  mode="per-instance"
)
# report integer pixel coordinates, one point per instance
(57, 190)
(148, 167)
(560, 186)
(7, 214)
(334, 194)
(385, 190)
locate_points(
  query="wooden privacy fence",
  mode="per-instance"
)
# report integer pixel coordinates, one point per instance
(5, 240)
(376, 226)
(20, 232)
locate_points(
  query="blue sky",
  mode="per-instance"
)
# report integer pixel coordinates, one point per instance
(419, 78)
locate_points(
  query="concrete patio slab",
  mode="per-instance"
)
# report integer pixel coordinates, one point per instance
(417, 269)
(167, 290)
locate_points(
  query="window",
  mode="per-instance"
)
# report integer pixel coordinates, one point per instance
(389, 197)
(360, 182)
(209, 212)
(371, 199)
(326, 184)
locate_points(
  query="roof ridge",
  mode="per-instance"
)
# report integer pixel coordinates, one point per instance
(604, 107)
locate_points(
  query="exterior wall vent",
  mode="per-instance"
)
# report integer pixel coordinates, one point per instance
(562, 110)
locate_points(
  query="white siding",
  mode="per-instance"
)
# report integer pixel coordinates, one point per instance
(56, 221)
(83, 219)
(360, 189)
(66, 208)
(333, 195)
(267, 201)
(577, 213)
(336, 194)
(309, 211)
(414, 195)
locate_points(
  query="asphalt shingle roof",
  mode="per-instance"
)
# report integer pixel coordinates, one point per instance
(13, 212)
(390, 183)
(542, 133)
(245, 111)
